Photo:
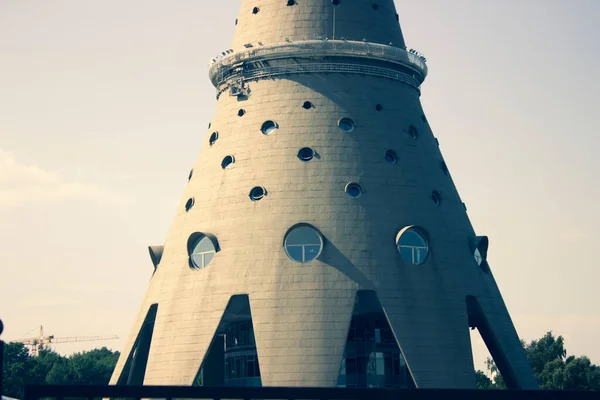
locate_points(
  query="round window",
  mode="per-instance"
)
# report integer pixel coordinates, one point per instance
(203, 252)
(391, 157)
(303, 243)
(478, 257)
(306, 154)
(257, 193)
(346, 124)
(241, 112)
(213, 138)
(413, 132)
(436, 197)
(412, 245)
(189, 204)
(227, 162)
(307, 105)
(268, 127)
(354, 190)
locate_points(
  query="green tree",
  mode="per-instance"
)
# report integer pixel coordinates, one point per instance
(552, 368)
(18, 370)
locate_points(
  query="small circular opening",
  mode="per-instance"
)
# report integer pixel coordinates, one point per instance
(189, 204)
(213, 138)
(227, 162)
(346, 124)
(375, 7)
(255, 10)
(307, 105)
(354, 190)
(436, 197)
(412, 245)
(378, 107)
(241, 112)
(413, 132)
(306, 154)
(391, 157)
(268, 127)
(257, 193)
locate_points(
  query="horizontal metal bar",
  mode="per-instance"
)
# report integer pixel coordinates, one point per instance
(36, 392)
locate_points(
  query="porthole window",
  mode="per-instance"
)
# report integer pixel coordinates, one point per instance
(436, 197)
(213, 138)
(391, 157)
(268, 127)
(479, 248)
(306, 154)
(378, 107)
(202, 251)
(346, 124)
(257, 193)
(413, 132)
(189, 204)
(412, 245)
(227, 162)
(307, 105)
(478, 257)
(303, 243)
(354, 190)
(255, 10)
(241, 112)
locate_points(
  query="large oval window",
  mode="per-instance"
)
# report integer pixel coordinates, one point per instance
(412, 245)
(202, 252)
(303, 243)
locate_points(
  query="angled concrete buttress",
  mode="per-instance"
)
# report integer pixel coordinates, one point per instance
(320, 240)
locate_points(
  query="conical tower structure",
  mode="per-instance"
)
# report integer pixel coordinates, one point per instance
(320, 240)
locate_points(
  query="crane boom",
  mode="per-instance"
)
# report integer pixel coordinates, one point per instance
(38, 343)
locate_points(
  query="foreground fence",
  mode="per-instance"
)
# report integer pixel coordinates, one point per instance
(287, 393)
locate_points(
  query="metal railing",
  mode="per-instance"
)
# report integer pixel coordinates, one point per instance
(237, 75)
(291, 393)
(311, 48)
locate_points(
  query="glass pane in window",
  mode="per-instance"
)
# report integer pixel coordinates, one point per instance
(303, 235)
(295, 252)
(311, 252)
(204, 245)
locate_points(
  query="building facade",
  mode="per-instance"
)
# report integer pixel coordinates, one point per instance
(320, 240)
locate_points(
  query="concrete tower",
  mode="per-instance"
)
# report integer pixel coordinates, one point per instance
(320, 240)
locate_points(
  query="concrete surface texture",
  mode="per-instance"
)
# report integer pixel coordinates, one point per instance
(306, 65)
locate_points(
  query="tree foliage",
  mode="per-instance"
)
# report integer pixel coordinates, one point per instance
(551, 366)
(87, 368)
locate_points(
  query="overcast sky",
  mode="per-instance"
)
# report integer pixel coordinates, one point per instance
(104, 106)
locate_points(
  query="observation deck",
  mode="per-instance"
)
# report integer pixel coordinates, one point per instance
(232, 69)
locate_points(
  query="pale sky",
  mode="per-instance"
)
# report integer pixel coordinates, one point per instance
(104, 105)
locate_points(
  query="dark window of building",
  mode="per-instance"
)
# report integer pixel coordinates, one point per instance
(241, 112)
(202, 251)
(306, 154)
(413, 132)
(227, 162)
(375, 7)
(335, 2)
(303, 243)
(412, 245)
(307, 105)
(268, 127)
(372, 357)
(255, 10)
(257, 193)
(391, 157)
(378, 107)
(291, 2)
(436, 197)
(191, 174)
(189, 204)
(213, 138)
(346, 124)
(354, 190)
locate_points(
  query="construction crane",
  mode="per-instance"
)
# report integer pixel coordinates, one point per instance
(36, 344)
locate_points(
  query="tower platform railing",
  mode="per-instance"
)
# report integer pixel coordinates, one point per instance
(318, 48)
